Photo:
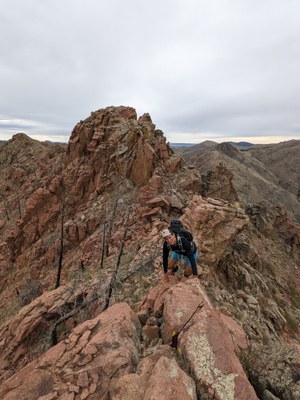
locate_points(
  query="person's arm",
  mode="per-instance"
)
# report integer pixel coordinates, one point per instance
(165, 257)
(189, 253)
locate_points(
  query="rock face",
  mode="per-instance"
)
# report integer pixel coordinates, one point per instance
(103, 359)
(214, 223)
(218, 184)
(275, 221)
(113, 141)
(110, 155)
(268, 382)
(82, 365)
(203, 339)
(29, 331)
(158, 377)
(96, 208)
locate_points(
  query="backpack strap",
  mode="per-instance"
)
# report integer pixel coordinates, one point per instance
(179, 242)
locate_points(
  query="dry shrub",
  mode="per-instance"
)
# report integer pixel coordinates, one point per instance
(30, 291)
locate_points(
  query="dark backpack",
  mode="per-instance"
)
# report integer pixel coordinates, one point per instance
(177, 228)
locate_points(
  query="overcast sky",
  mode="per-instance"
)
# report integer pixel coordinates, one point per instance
(203, 69)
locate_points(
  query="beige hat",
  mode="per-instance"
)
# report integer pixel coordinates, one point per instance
(166, 232)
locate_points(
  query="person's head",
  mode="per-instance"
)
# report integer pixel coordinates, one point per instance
(169, 237)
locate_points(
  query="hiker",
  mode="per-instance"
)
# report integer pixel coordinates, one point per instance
(182, 249)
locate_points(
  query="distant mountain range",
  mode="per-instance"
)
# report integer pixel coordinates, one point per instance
(260, 172)
(236, 144)
(242, 144)
(182, 144)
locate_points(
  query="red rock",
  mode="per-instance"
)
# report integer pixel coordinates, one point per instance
(115, 334)
(158, 377)
(128, 387)
(205, 217)
(150, 334)
(112, 155)
(168, 382)
(153, 303)
(205, 342)
(239, 337)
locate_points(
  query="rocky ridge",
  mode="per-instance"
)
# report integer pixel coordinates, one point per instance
(104, 357)
(259, 173)
(118, 182)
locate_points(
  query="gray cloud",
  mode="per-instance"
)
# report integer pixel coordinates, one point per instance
(202, 69)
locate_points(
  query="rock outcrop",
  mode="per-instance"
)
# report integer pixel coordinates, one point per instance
(108, 357)
(30, 332)
(82, 366)
(110, 155)
(88, 217)
(113, 142)
(274, 221)
(218, 184)
(215, 224)
(206, 340)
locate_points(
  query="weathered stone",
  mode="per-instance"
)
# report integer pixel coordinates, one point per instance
(158, 201)
(269, 396)
(168, 382)
(128, 387)
(218, 183)
(204, 341)
(251, 260)
(215, 364)
(204, 217)
(83, 379)
(275, 369)
(117, 339)
(150, 334)
(50, 396)
(239, 337)
(165, 381)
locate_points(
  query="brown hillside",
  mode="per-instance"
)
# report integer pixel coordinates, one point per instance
(197, 148)
(255, 176)
(283, 160)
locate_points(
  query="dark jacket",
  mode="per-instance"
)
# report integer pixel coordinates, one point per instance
(187, 251)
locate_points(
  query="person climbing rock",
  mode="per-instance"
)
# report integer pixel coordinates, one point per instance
(182, 247)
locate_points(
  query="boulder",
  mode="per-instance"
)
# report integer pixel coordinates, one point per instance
(165, 381)
(83, 364)
(215, 224)
(208, 342)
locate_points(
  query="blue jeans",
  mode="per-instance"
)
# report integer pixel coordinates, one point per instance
(176, 256)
